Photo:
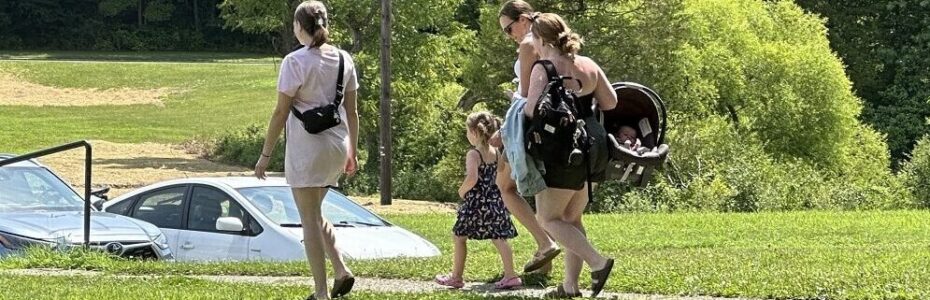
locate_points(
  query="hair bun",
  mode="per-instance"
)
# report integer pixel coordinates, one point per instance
(534, 16)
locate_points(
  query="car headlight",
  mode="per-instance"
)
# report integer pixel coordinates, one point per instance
(12, 241)
(161, 241)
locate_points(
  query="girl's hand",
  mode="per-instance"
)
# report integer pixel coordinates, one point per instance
(351, 164)
(261, 166)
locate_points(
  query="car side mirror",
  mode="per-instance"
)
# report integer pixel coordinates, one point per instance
(231, 224)
(97, 203)
(101, 193)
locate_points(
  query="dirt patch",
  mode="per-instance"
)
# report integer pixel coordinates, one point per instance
(399, 206)
(16, 91)
(125, 167)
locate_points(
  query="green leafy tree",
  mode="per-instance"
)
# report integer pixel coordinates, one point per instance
(884, 45)
(762, 115)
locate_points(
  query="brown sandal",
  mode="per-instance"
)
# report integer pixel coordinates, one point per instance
(560, 293)
(541, 260)
(599, 278)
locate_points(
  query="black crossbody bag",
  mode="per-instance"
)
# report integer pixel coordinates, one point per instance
(324, 117)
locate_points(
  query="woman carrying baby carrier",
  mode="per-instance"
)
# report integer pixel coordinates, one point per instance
(570, 84)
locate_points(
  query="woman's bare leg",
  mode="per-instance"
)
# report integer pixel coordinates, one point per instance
(309, 202)
(521, 210)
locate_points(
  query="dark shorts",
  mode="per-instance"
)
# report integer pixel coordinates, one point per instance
(574, 178)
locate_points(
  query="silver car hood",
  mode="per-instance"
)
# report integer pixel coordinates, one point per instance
(68, 227)
(378, 242)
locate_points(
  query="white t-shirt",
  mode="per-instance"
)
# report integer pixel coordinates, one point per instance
(309, 75)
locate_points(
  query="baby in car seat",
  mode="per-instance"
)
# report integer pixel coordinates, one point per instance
(626, 136)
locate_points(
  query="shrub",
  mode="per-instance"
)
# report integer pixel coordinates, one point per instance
(243, 147)
(916, 173)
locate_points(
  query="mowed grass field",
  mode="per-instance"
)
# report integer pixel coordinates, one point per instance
(209, 93)
(826, 255)
(811, 255)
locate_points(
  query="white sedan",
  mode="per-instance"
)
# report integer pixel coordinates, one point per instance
(244, 218)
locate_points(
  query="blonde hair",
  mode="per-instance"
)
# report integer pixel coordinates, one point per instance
(552, 30)
(312, 17)
(483, 124)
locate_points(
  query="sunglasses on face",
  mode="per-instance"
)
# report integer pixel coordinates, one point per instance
(509, 27)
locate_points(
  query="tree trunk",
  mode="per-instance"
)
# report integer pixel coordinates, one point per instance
(141, 5)
(385, 110)
(196, 16)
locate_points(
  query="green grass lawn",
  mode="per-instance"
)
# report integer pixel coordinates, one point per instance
(110, 288)
(854, 255)
(142, 56)
(214, 98)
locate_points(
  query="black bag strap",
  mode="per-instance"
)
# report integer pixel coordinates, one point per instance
(553, 74)
(340, 86)
(587, 167)
(550, 70)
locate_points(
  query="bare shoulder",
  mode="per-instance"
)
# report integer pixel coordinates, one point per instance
(527, 41)
(526, 48)
(472, 155)
(586, 63)
(538, 72)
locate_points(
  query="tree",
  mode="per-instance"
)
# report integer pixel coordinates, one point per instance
(884, 46)
(762, 115)
(112, 8)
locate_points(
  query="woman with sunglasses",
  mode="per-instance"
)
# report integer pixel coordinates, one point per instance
(515, 22)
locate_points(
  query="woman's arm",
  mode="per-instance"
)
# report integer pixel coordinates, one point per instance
(528, 57)
(604, 93)
(537, 84)
(275, 126)
(351, 107)
(471, 172)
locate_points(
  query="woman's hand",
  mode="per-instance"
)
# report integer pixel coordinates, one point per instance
(496, 140)
(261, 166)
(510, 94)
(351, 164)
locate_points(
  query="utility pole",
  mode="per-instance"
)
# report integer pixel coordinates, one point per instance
(385, 107)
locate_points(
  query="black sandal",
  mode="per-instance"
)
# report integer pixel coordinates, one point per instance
(540, 261)
(342, 286)
(560, 293)
(599, 278)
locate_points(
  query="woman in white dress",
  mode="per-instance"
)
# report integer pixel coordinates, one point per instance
(314, 162)
(514, 18)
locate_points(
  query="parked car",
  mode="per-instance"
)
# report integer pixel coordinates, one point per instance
(37, 208)
(244, 218)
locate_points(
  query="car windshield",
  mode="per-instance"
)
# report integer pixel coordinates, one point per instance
(277, 203)
(35, 189)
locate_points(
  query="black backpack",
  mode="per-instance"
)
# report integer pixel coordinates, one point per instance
(556, 134)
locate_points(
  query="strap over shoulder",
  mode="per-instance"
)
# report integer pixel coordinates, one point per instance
(550, 69)
(340, 85)
(553, 74)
